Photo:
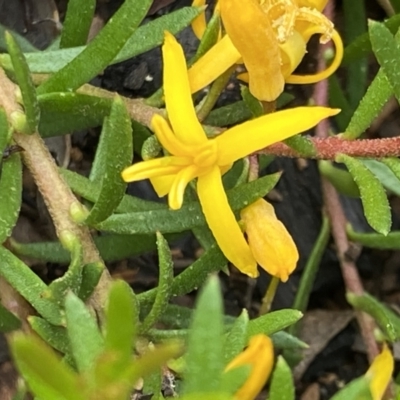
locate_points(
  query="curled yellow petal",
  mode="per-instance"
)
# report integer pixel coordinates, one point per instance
(177, 190)
(252, 34)
(292, 52)
(223, 224)
(270, 242)
(256, 134)
(380, 372)
(213, 64)
(326, 73)
(260, 356)
(168, 139)
(178, 98)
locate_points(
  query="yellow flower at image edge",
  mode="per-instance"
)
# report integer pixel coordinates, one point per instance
(380, 372)
(270, 38)
(259, 355)
(193, 155)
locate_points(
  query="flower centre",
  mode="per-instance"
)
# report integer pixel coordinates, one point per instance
(207, 154)
(286, 16)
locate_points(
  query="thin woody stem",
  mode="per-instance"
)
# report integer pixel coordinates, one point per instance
(338, 220)
(328, 147)
(57, 195)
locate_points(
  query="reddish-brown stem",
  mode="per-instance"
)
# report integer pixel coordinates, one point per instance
(333, 207)
(328, 147)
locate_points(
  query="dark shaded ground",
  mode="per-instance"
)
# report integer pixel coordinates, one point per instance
(338, 356)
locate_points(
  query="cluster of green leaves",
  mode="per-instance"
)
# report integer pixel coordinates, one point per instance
(109, 362)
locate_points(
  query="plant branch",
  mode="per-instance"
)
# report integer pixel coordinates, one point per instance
(57, 195)
(328, 147)
(338, 220)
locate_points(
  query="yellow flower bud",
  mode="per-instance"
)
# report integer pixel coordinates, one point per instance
(270, 242)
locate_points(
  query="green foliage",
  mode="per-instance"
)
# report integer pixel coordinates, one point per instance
(98, 338)
(24, 80)
(373, 196)
(282, 387)
(387, 320)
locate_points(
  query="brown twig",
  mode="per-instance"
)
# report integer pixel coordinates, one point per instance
(56, 193)
(328, 147)
(338, 220)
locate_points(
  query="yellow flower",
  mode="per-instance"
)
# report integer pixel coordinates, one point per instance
(270, 37)
(193, 155)
(270, 242)
(260, 356)
(380, 372)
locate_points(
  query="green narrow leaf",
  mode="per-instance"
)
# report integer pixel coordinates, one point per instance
(23, 78)
(286, 341)
(122, 317)
(100, 52)
(355, 25)
(5, 132)
(55, 336)
(209, 38)
(310, 270)
(23, 43)
(8, 321)
(236, 339)
(340, 178)
(114, 153)
(375, 240)
(10, 194)
(111, 139)
(84, 335)
(229, 115)
(190, 215)
(282, 386)
(377, 95)
(77, 22)
(356, 389)
(63, 112)
(393, 164)
(164, 287)
(29, 286)
(387, 320)
(386, 50)
(362, 45)
(233, 380)
(384, 174)
(144, 38)
(273, 322)
(373, 196)
(192, 277)
(252, 103)
(338, 99)
(90, 191)
(91, 275)
(111, 248)
(72, 278)
(204, 358)
(47, 376)
(302, 145)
